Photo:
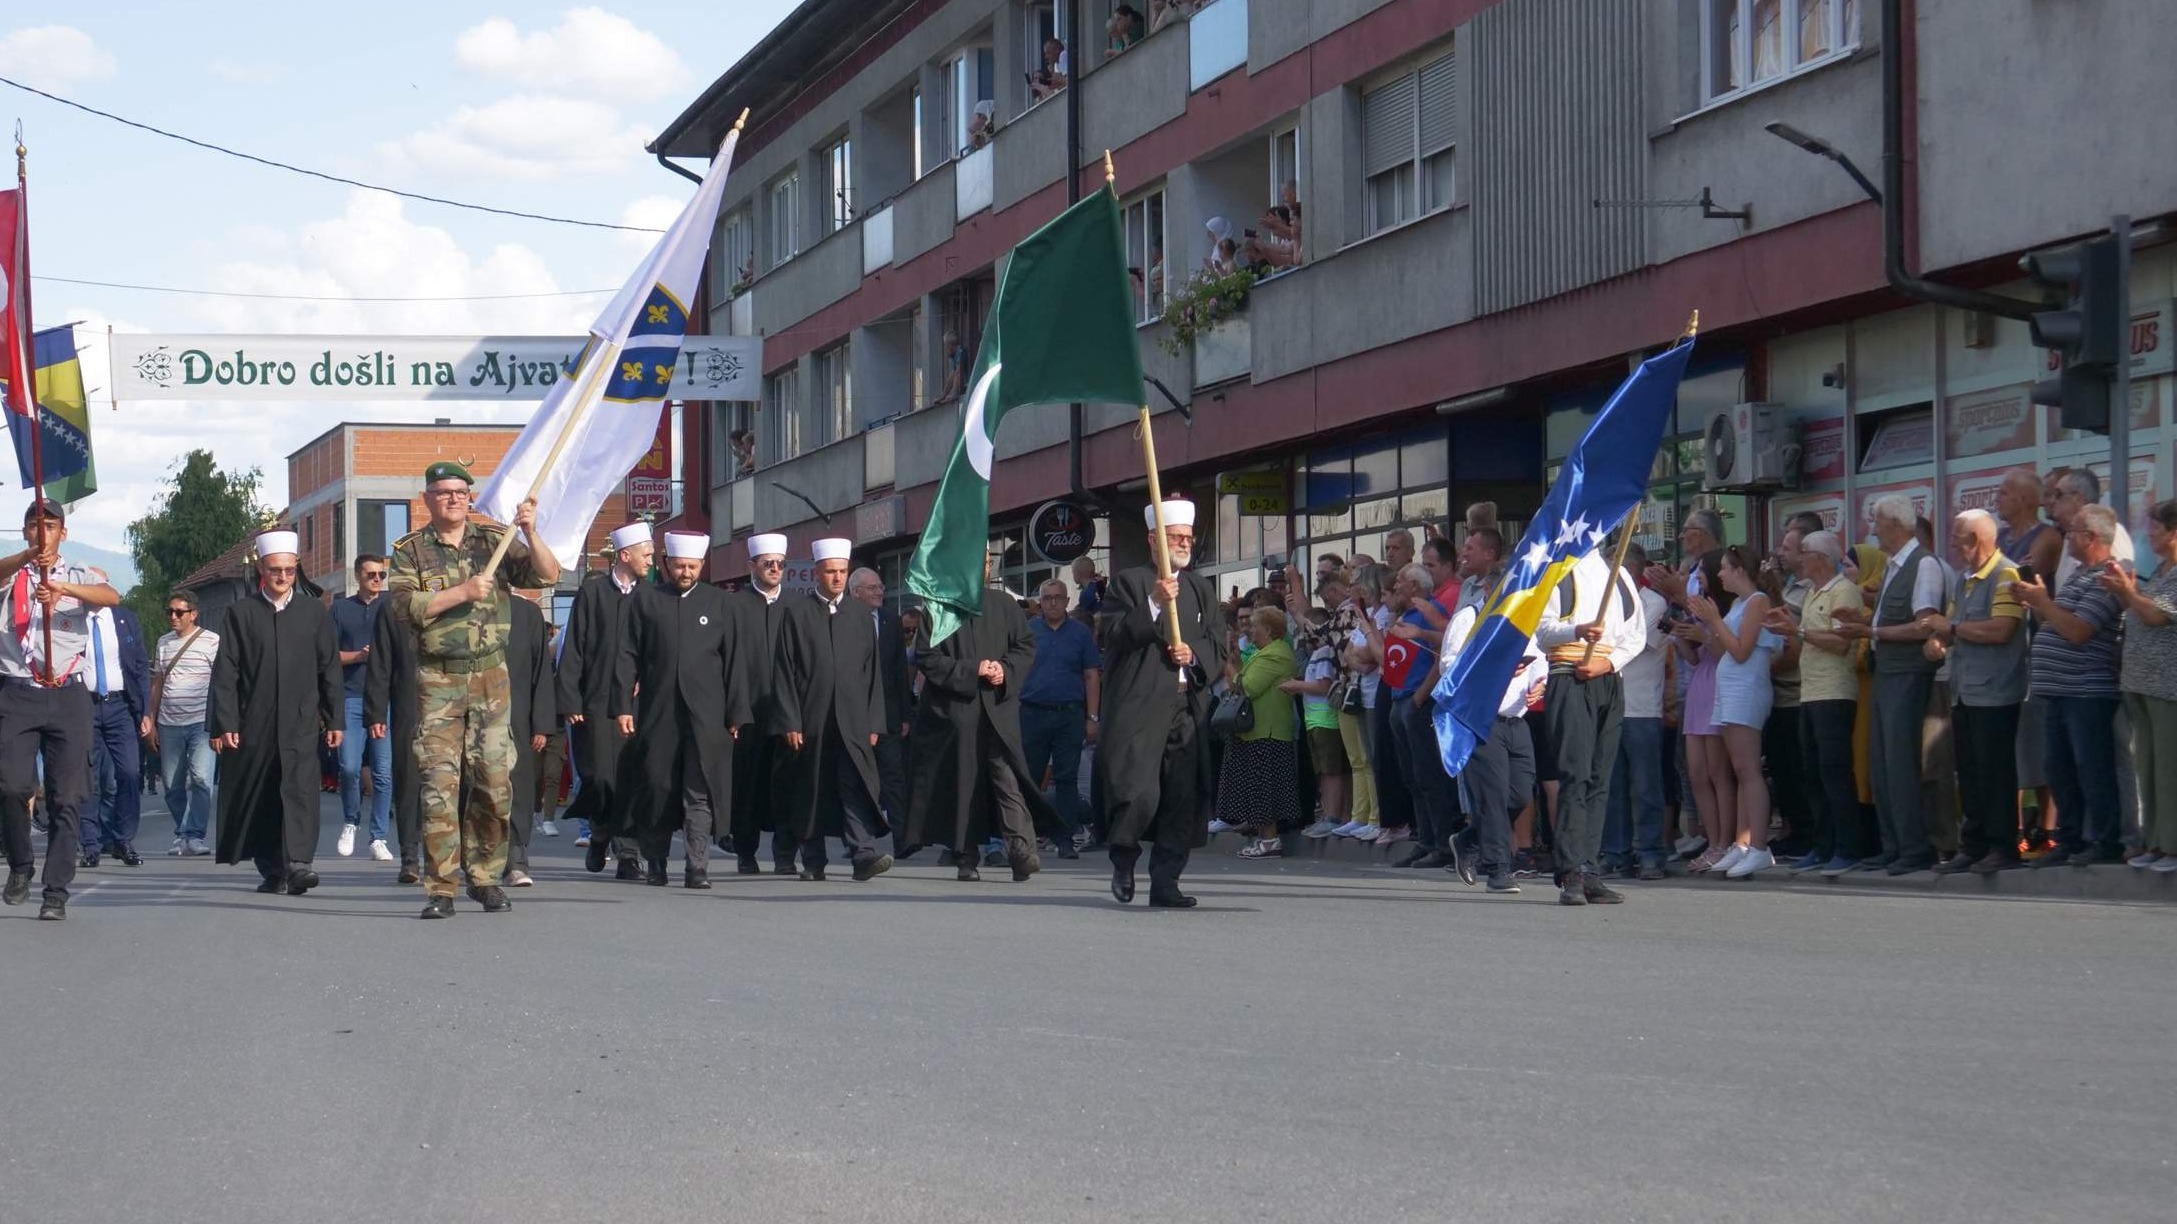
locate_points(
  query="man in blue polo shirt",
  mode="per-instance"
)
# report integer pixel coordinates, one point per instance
(355, 619)
(1060, 704)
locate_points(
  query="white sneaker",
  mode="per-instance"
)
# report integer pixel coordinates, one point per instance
(546, 828)
(347, 841)
(380, 851)
(2146, 860)
(582, 842)
(1219, 826)
(1750, 862)
(1368, 833)
(1686, 846)
(1348, 829)
(2167, 866)
(1320, 829)
(175, 850)
(195, 848)
(1731, 858)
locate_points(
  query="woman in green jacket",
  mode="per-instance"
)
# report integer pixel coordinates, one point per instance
(1259, 791)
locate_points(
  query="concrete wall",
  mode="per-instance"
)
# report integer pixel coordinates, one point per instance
(822, 274)
(2038, 120)
(884, 152)
(1030, 153)
(831, 475)
(1412, 280)
(1135, 94)
(1278, 28)
(883, 370)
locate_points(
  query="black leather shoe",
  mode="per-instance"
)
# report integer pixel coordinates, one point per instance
(746, 864)
(129, 857)
(629, 870)
(593, 858)
(1066, 849)
(411, 872)
(53, 909)
(969, 874)
(493, 899)
(654, 876)
(1956, 864)
(870, 869)
(947, 858)
(1569, 891)
(272, 884)
(1122, 883)
(784, 867)
(1418, 856)
(1024, 865)
(1170, 900)
(438, 907)
(300, 881)
(87, 858)
(1463, 864)
(17, 890)
(814, 874)
(696, 879)
(1597, 893)
(1908, 863)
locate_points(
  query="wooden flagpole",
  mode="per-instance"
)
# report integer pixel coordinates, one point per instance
(26, 375)
(1631, 523)
(1147, 433)
(588, 394)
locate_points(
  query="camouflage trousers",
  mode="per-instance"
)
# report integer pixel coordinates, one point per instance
(462, 740)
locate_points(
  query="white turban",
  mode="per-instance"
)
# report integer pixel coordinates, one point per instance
(766, 546)
(686, 544)
(1176, 514)
(272, 543)
(833, 549)
(631, 535)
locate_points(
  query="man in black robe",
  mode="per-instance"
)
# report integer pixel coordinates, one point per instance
(586, 666)
(276, 694)
(830, 704)
(1153, 764)
(756, 757)
(532, 717)
(867, 588)
(390, 708)
(971, 779)
(682, 698)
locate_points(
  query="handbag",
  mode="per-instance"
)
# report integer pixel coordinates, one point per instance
(1233, 715)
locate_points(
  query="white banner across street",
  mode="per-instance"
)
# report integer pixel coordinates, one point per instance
(389, 368)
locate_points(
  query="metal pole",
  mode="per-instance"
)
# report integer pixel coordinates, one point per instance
(2120, 382)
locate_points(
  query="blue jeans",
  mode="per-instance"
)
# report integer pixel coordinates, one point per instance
(1051, 735)
(2080, 757)
(185, 755)
(355, 741)
(1637, 780)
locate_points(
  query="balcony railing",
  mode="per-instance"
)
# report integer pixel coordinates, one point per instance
(741, 315)
(1224, 352)
(1217, 42)
(741, 504)
(973, 184)
(877, 462)
(877, 241)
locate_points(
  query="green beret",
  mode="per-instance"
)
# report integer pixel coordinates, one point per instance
(446, 469)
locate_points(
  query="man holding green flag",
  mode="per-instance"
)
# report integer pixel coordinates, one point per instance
(1061, 331)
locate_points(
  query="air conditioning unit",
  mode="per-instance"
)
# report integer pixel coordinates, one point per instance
(1750, 447)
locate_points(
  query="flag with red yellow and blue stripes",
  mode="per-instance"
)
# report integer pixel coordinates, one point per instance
(1604, 477)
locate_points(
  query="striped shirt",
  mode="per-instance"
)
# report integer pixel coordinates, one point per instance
(2089, 669)
(186, 687)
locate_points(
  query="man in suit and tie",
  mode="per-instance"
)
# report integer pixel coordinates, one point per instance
(117, 671)
(867, 588)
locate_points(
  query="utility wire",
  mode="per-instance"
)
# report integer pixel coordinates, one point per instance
(309, 297)
(319, 174)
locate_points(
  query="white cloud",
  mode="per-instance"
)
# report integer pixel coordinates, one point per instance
(653, 212)
(522, 137)
(53, 57)
(247, 74)
(590, 51)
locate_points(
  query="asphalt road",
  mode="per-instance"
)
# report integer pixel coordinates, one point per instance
(1314, 1043)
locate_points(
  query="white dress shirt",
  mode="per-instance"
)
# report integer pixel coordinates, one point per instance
(1596, 588)
(1532, 669)
(1927, 584)
(1644, 675)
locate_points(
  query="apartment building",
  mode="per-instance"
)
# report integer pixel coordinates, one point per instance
(1503, 205)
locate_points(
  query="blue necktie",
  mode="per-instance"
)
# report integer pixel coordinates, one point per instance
(98, 657)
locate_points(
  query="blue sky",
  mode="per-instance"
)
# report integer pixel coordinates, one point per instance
(536, 107)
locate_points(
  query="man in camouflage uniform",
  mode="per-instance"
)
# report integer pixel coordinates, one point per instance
(461, 618)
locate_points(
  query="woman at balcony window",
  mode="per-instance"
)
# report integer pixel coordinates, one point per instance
(1125, 29)
(1278, 245)
(982, 126)
(1224, 256)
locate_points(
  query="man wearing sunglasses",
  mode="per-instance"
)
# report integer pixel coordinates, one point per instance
(355, 620)
(181, 688)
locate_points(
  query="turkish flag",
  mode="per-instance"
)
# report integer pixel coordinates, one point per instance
(1398, 660)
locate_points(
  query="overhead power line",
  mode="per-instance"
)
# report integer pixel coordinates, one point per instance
(319, 174)
(314, 297)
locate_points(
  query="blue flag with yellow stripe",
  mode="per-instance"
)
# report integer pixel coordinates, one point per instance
(64, 419)
(1603, 479)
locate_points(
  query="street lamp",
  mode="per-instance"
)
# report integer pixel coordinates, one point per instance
(1822, 148)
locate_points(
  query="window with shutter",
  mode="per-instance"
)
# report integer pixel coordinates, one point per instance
(1409, 129)
(1439, 86)
(1387, 127)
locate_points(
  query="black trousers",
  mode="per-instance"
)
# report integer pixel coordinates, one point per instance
(1583, 718)
(1014, 824)
(55, 724)
(599, 801)
(1497, 781)
(1394, 799)
(859, 820)
(1986, 741)
(1893, 747)
(1172, 831)
(1435, 804)
(696, 815)
(755, 783)
(891, 753)
(1788, 782)
(1825, 750)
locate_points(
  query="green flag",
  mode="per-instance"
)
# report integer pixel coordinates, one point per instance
(1061, 331)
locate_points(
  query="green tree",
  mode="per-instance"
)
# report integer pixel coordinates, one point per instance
(201, 513)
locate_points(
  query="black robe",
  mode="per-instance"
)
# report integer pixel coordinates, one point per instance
(683, 675)
(756, 753)
(277, 683)
(532, 710)
(390, 699)
(825, 686)
(1142, 700)
(587, 663)
(961, 722)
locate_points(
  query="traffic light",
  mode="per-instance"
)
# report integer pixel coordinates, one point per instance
(2087, 332)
